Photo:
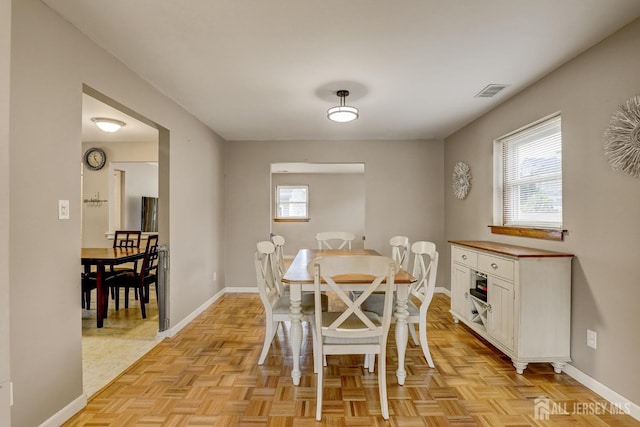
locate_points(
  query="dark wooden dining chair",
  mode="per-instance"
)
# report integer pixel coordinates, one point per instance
(127, 239)
(124, 239)
(89, 283)
(141, 281)
(149, 270)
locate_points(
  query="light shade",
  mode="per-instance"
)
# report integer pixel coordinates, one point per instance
(342, 113)
(108, 125)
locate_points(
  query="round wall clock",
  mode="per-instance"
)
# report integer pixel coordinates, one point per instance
(461, 180)
(95, 158)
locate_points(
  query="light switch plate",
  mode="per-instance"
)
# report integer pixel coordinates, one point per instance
(63, 209)
(592, 339)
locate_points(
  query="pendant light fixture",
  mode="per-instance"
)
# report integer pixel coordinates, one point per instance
(108, 125)
(342, 113)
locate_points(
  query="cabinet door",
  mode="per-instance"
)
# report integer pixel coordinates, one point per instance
(461, 279)
(500, 318)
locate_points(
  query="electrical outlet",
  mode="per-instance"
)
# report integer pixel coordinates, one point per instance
(592, 339)
(215, 276)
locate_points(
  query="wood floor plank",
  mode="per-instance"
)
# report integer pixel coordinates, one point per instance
(207, 375)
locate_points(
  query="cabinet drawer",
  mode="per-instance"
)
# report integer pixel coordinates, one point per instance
(500, 267)
(464, 256)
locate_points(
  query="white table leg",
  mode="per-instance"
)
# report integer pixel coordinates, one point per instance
(402, 330)
(295, 312)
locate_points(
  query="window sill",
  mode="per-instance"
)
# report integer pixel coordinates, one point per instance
(291, 219)
(536, 233)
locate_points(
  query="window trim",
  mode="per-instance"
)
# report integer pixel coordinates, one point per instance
(533, 232)
(277, 217)
(498, 226)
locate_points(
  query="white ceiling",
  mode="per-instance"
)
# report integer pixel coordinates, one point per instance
(133, 130)
(268, 70)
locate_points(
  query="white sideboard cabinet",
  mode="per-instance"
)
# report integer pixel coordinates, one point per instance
(516, 298)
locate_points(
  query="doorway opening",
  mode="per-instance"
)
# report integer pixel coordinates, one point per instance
(112, 200)
(336, 201)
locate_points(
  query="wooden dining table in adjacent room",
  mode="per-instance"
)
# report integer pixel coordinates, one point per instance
(101, 257)
(299, 279)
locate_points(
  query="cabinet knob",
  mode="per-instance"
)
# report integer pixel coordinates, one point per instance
(464, 257)
(494, 265)
(466, 294)
(489, 308)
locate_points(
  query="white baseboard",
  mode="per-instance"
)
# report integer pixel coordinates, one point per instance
(442, 290)
(241, 290)
(67, 412)
(624, 404)
(184, 322)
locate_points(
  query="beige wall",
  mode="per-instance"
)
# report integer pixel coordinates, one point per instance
(601, 207)
(50, 62)
(95, 220)
(403, 181)
(5, 49)
(336, 203)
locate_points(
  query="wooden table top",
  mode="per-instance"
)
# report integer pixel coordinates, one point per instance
(510, 250)
(111, 255)
(298, 273)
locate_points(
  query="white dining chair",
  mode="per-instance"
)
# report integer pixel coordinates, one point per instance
(278, 242)
(353, 330)
(425, 268)
(400, 251)
(335, 239)
(278, 259)
(275, 301)
(281, 267)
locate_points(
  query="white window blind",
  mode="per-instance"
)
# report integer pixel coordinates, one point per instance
(532, 176)
(292, 202)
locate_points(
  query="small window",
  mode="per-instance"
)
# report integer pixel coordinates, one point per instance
(529, 176)
(292, 202)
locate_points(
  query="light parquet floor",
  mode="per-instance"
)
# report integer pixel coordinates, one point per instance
(207, 375)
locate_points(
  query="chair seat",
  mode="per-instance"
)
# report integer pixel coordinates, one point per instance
(89, 282)
(119, 270)
(375, 304)
(351, 341)
(308, 305)
(92, 275)
(352, 323)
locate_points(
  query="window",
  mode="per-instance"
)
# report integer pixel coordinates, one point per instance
(529, 176)
(292, 202)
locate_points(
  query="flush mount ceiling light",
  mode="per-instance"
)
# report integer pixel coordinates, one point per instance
(342, 113)
(108, 125)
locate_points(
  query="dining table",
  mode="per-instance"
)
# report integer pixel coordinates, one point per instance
(100, 258)
(300, 279)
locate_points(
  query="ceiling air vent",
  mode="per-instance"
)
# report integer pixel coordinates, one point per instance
(490, 91)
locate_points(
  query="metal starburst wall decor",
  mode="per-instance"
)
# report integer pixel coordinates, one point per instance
(461, 180)
(622, 138)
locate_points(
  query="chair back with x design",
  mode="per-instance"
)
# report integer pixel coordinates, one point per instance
(353, 330)
(400, 251)
(334, 240)
(425, 267)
